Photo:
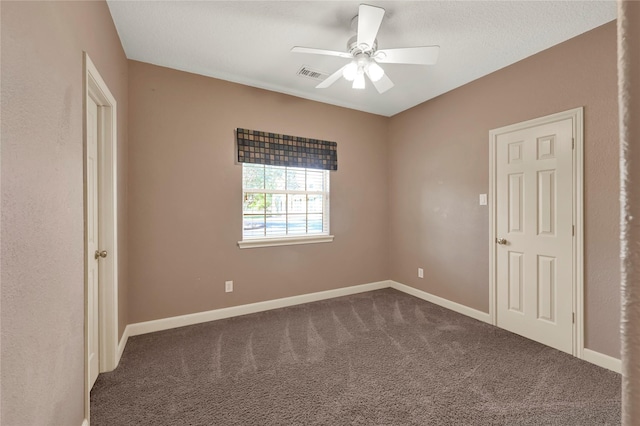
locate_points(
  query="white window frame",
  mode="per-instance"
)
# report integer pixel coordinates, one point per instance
(283, 240)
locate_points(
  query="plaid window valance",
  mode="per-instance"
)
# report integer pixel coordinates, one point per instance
(281, 150)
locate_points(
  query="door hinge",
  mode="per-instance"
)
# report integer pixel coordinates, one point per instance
(573, 143)
(573, 318)
(573, 230)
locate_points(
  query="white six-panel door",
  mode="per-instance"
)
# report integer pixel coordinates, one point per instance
(92, 240)
(534, 229)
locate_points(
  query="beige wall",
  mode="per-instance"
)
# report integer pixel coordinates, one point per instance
(439, 154)
(629, 83)
(42, 202)
(185, 196)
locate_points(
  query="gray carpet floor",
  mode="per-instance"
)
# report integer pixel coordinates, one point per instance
(376, 358)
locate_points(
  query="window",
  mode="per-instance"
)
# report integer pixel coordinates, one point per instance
(287, 204)
(285, 188)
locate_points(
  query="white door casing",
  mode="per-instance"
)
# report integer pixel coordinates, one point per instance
(536, 208)
(93, 241)
(98, 96)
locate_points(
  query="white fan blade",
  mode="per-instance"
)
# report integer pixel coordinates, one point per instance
(331, 79)
(299, 49)
(424, 55)
(369, 20)
(383, 84)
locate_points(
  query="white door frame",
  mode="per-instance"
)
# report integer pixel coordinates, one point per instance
(576, 115)
(95, 87)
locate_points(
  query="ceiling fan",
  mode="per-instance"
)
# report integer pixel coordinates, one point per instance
(365, 56)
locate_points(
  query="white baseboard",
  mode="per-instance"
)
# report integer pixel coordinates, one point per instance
(122, 344)
(216, 314)
(602, 360)
(456, 307)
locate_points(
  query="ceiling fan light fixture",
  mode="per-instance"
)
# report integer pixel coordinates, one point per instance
(362, 50)
(375, 71)
(350, 71)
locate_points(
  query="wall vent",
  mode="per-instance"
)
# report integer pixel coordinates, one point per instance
(305, 71)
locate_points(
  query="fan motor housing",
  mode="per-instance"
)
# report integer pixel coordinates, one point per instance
(355, 50)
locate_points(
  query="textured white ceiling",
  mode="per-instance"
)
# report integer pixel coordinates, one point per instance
(249, 42)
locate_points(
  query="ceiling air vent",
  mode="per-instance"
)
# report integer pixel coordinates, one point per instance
(305, 71)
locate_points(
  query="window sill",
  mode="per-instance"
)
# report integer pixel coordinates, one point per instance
(287, 241)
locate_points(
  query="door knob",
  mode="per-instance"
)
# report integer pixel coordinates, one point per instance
(102, 254)
(501, 241)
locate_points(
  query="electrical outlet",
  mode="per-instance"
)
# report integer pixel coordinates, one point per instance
(420, 273)
(483, 199)
(228, 286)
